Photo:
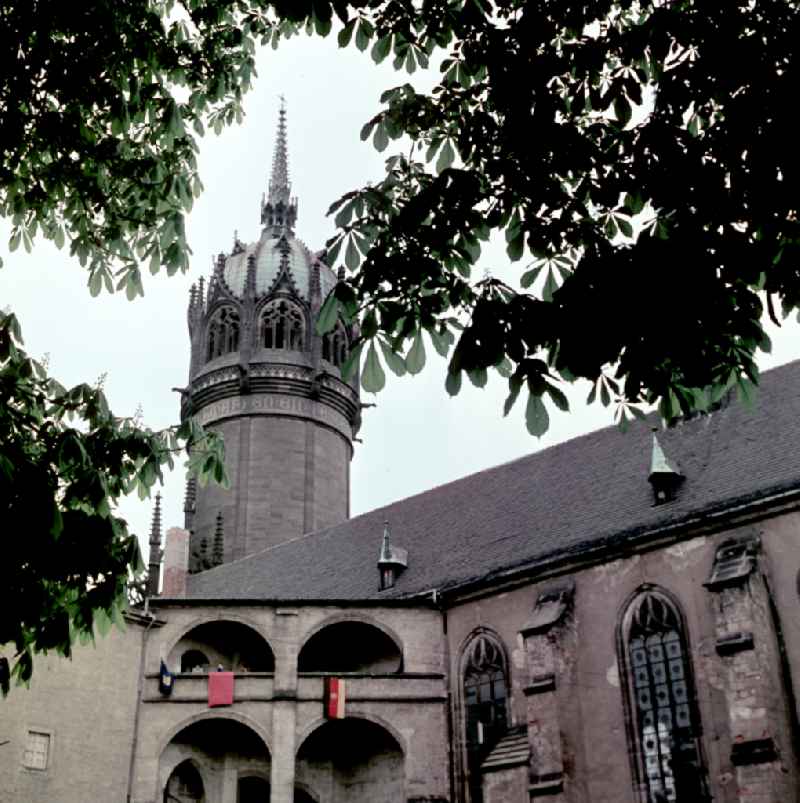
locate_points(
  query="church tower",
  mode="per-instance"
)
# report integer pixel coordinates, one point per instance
(261, 376)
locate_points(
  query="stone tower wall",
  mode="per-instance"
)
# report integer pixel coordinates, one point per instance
(288, 476)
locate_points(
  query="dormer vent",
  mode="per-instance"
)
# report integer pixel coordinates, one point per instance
(393, 561)
(664, 477)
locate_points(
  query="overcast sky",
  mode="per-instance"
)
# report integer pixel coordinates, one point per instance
(416, 437)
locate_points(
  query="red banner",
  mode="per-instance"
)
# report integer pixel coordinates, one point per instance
(334, 698)
(220, 689)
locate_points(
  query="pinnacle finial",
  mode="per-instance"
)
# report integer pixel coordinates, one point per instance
(218, 554)
(155, 529)
(279, 186)
(154, 561)
(386, 551)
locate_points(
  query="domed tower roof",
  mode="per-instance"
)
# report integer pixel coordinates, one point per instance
(278, 251)
(262, 376)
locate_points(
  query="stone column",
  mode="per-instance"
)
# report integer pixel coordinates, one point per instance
(761, 749)
(545, 654)
(229, 781)
(284, 716)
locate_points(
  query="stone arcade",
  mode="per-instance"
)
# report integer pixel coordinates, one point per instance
(610, 620)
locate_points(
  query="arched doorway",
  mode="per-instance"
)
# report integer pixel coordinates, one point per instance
(231, 755)
(185, 785)
(358, 760)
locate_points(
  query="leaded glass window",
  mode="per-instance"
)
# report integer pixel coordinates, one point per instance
(283, 326)
(485, 704)
(665, 725)
(334, 346)
(223, 333)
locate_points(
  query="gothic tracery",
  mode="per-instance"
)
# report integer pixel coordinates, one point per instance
(665, 726)
(223, 333)
(283, 326)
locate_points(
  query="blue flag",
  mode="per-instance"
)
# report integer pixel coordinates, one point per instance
(165, 680)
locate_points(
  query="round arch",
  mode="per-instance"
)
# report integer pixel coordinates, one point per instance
(358, 759)
(315, 724)
(211, 619)
(362, 618)
(350, 645)
(236, 716)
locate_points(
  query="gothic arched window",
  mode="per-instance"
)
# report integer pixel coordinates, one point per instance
(283, 326)
(223, 333)
(334, 346)
(485, 704)
(664, 724)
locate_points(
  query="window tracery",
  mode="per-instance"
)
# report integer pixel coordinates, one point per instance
(223, 333)
(334, 346)
(283, 326)
(665, 725)
(485, 688)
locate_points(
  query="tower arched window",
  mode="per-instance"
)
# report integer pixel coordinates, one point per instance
(283, 326)
(223, 333)
(485, 690)
(664, 723)
(334, 346)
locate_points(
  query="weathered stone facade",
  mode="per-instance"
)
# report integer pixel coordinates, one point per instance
(567, 691)
(567, 627)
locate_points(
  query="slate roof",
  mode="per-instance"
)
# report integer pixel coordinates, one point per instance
(556, 503)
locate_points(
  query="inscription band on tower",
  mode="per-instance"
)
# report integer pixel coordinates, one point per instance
(275, 404)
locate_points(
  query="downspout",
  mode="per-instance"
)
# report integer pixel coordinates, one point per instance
(139, 695)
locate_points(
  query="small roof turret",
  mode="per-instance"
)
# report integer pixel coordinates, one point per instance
(664, 477)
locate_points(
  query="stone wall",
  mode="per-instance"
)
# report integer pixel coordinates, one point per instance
(584, 718)
(288, 476)
(87, 707)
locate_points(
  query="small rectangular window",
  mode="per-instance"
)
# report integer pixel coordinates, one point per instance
(37, 750)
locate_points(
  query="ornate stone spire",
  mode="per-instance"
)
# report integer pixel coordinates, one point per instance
(154, 561)
(279, 208)
(279, 186)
